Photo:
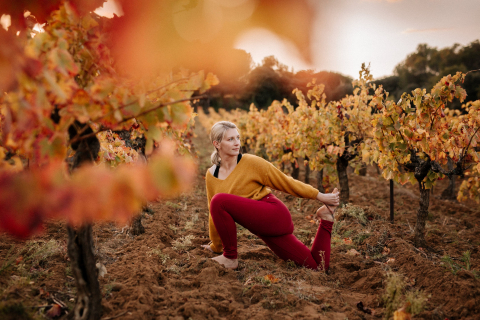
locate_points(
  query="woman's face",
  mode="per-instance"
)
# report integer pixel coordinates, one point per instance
(230, 144)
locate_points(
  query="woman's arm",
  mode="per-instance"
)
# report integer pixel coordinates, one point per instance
(276, 179)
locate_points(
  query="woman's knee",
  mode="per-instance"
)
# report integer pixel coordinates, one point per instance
(218, 200)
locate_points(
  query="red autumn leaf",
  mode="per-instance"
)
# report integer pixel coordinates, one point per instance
(54, 311)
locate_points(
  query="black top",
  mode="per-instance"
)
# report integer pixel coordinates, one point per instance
(217, 169)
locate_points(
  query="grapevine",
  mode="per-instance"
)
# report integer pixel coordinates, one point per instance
(417, 136)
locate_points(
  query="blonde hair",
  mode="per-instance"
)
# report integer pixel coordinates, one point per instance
(216, 134)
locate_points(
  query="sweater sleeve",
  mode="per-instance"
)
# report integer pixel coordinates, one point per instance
(216, 244)
(277, 180)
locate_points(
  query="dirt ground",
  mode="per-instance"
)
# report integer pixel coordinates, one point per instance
(164, 274)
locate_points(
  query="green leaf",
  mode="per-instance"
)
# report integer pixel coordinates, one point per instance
(411, 178)
(55, 88)
(148, 119)
(180, 113)
(164, 115)
(428, 184)
(196, 80)
(153, 133)
(408, 133)
(62, 60)
(148, 147)
(132, 109)
(432, 176)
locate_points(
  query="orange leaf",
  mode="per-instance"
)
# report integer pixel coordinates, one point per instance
(271, 278)
(401, 314)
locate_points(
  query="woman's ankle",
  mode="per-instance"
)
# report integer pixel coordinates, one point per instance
(326, 213)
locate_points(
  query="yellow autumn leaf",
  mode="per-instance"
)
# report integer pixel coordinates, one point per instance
(365, 156)
(271, 278)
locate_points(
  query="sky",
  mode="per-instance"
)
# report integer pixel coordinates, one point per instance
(380, 32)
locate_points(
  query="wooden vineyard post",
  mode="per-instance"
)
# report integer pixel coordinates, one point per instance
(391, 201)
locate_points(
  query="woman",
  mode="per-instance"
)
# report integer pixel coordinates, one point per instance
(239, 190)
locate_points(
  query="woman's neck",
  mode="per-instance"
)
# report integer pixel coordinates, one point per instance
(228, 162)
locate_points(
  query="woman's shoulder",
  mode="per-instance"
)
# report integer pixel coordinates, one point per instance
(211, 170)
(253, 158)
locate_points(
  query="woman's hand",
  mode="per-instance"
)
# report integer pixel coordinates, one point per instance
(331, 199)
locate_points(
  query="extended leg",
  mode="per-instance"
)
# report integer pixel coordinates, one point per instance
(321, 246)
(288, 247)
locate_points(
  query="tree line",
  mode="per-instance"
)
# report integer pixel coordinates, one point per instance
(271, 80)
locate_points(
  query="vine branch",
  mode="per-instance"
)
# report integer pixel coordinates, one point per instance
(79, 138)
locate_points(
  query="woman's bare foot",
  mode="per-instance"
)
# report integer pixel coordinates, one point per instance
(207, 247)
(227, 263)
(326, 213)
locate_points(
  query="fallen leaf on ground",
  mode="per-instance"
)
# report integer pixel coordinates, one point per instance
(54, 311)
(353, 252)
(386, 251)
(391, 260)
(271, 278)
(347, 241)
(401, 314)
(44, 293)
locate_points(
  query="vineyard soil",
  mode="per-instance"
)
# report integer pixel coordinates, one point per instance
(163, 273)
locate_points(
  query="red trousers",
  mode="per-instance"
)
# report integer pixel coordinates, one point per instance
(269, 219)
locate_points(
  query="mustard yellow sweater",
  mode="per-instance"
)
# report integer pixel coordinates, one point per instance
(252, 178)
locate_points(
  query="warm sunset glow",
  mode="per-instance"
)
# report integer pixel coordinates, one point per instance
(109, 8)
(349, 32)
(5, 21)
(380, 32)
(271, 44)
